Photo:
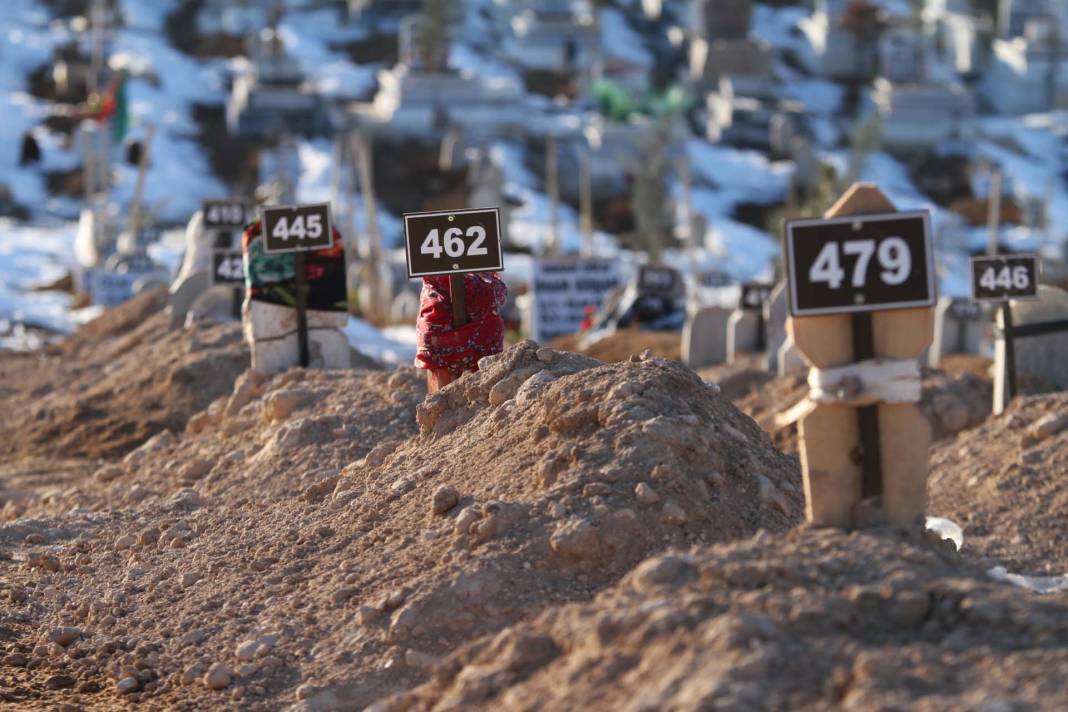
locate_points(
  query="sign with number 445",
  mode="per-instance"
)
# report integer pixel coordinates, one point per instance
(453, 242)
(297, 228)
(1001, 277)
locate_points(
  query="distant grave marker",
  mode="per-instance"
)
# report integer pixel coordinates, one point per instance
(563, 289)
(1003, 279)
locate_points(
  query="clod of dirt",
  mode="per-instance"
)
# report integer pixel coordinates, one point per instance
(1004, 484)
(815, 619)
(321, 532)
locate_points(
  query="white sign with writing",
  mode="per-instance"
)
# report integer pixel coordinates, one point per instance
(565, 289)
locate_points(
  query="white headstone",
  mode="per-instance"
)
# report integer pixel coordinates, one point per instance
(959, 327)
(704, 337)
(563, 289)
(775, 312)
(1039, 358)
(791, 362)
(743, 333)
(271, 332)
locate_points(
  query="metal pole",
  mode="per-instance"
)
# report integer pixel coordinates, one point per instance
(586, 202)
(552, 177)
(302, 308)
(458, 297)
(993, 217)
(868, 416)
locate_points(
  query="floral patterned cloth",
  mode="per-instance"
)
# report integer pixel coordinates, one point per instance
(458, 349)
(272, 278)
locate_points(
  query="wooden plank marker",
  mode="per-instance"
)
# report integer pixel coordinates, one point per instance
(298, 229)
(861, 292)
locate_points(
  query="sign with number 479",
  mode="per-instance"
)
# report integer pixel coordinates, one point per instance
(453, 242)
(1001, 277)
(860, 263)
(297, 228)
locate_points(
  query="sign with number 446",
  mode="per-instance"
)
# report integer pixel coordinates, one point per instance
(453, 242)
(1001, 277)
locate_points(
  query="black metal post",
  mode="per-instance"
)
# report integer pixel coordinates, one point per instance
(868, 416)
(302, 308)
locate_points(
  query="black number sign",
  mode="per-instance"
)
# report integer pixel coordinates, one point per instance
(225, 214)
(860, 263)
(965, 310)
(453, 242)
(1002, 277)
(754, 294)
(227, 268)
(657, 280)
(297, 228)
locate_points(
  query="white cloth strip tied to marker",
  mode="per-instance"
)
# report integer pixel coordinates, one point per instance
(869, 382)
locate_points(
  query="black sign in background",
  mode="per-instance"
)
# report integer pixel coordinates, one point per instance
(1029, 263)
(805, 240)
(320, 214)
(654, 279)
(754, 294)
(227, 268)
(224, 214)
(965, 309)
(417, 227)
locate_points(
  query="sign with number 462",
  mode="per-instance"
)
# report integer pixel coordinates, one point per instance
(1001, 277)
(297, 228)
(453, 242)
(860, 263)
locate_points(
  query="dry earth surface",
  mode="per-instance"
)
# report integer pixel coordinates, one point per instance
(203, 538)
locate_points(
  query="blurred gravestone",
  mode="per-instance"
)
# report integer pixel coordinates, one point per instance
(959, 325)
(743, 333)
(1040, 358)
(704, 337)
(775, 313)
(790, 361)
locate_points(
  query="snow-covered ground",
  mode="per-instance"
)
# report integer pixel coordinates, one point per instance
(166, 84)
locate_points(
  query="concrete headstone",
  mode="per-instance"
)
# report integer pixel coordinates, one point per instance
(743, 333)
(959, 327)
(704, 337)
(775, 313)
(790, 361)
(1039, 358)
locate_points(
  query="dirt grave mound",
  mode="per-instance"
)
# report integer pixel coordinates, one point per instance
(624, 343)
(321, 539)
(1004, 483)
(115, 383)
(814, 619)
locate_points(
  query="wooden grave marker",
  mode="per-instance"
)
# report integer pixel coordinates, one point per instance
(851, 453)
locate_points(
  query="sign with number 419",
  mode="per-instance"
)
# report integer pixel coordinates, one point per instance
(453, 242)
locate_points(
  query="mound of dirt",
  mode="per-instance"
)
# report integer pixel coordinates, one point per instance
(1004, 484)
(115, 383)
(623, 344)
(815, 619)
(304, 541)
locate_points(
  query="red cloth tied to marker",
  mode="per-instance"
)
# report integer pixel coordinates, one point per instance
(442, 346)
